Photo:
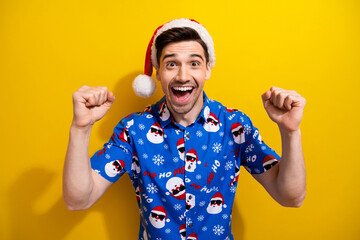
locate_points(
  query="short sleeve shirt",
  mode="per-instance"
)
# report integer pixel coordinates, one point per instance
(184, 178)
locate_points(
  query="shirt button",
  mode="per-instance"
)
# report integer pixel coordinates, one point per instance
(188, 135)
(190, 225)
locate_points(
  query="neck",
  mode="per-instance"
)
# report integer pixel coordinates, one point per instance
(185, 119)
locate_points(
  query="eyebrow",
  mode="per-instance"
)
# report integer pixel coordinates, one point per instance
(173, 55)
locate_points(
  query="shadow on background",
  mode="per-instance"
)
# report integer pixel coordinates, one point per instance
(238, 227)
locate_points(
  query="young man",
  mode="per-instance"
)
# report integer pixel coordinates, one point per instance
(183, 153)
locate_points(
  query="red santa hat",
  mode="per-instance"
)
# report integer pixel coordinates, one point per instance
(193, 153)
(144, 85)
(219, 196)
(182, 228)
(180, 143)
(160, 210)
(236, 126)
(192, 236)
(213, 117)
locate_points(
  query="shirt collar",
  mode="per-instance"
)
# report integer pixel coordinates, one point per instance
(201, 117)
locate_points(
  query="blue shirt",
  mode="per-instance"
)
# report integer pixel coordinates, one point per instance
(185, 178)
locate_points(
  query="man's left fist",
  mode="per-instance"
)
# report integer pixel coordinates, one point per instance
(284, 107)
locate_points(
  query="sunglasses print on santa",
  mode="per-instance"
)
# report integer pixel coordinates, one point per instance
(158, 131)
(236, 133)
(136, 162)
(213, 121)
(217, 202)
(117, 165)
(180, 189)
(159, 216)
(190, 158)
(181, 149)
(183, 234)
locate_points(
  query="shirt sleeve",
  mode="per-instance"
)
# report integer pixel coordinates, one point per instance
(115, 158)
(256, 156)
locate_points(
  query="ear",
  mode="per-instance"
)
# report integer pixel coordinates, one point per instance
(158, 77)
(208, 72)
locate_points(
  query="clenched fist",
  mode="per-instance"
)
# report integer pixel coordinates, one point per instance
(284, 107)
(90, 105)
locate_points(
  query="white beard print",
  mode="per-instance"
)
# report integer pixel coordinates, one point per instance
(154, 137)
(157, 223)
(211, 127)
(214, 209)
(190, 166)
(111, 170)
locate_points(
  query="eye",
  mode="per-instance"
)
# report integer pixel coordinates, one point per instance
(170, 64)
(195, 63)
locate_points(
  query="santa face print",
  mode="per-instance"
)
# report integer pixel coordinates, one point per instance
(182, 231)
(192, 236)
(190, 201)
(269, 161)
(135, 163)
(164, 112)
(191, 160)
(158, 217)
(238, 133)
(137, 193)
(176, 188)
(212, 123)
(113, 168)
(155, 134)
(216, 204)
(181, 148)
(124, 136)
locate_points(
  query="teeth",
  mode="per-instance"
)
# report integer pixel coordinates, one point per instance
(182, 88)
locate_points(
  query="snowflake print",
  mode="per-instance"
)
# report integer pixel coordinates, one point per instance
(202, 203)
(166, 146)
(231, 143)
(158, 239)
(204, 229)
(145, 156)
(249, 148)
(188, 221)
(217, 147)
(199, 133)
(200, 218)
(247, 129)
(225, 157)
(219, 106)
(233, 189)
(263, 148)
(152, 188)
(198, 177)
(145, 209)
(158, 160)
(228, 165)
(221, 134)
(175, 159)
(222, 178)
(204, 147)
(141, 126)
(163, 199)
(241, 119)
(177, 207)
(168, 230)
(218, 230)
(225, 216)
(140, 141)
(107, 156)
(133, 132)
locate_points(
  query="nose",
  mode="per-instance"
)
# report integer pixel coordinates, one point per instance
(182, 74)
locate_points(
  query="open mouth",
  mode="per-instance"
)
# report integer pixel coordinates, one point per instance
(182, 94)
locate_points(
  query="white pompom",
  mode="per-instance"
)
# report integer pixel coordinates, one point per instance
(144, 86)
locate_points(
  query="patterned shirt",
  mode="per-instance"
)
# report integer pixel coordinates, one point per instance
(185, 178)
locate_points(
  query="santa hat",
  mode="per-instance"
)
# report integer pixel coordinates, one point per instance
(236, 126)
(219, 196)
(182, 228)
(192, 236)
(213, 117)
(193, 153)
(180, 143)
(144, 85)
(160, 210)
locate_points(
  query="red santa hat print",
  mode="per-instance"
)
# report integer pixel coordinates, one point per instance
(159, 212)
(218, 199)
(191, 156)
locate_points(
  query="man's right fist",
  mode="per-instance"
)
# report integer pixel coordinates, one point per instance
(90, 105)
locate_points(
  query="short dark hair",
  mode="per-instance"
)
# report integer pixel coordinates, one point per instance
(178, 35)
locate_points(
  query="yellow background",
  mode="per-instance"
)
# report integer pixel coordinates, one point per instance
(48, 49)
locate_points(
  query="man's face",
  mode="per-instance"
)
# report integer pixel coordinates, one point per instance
(182, 73)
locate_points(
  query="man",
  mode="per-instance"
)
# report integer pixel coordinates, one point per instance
(183, 153)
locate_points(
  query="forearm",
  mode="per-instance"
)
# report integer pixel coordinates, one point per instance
(77, 176)
(291, 179)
